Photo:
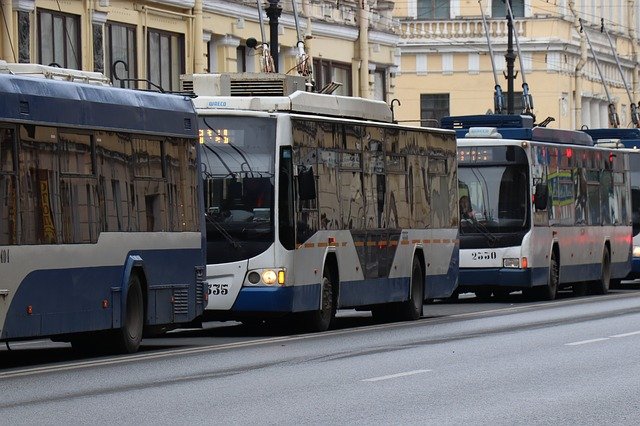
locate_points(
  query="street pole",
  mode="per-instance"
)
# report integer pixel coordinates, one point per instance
(273, 12)
(510, 58)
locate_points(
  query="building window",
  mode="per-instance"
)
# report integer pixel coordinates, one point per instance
(380, 85)
(165, 59)
(326, 72)
(120, 45)
(59, 39)
(433, 108)
(499, 8)
(433, 9)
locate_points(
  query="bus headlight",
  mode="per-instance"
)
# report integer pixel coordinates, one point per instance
(636, 251)
(269, 277)
(511, 262)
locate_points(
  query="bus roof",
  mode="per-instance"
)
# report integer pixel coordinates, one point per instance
(303, 103)
(519, 127)
(27, 99)
(630, 138)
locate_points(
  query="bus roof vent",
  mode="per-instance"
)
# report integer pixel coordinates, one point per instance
(242, 84)
(609, 143)
(54, 73)
(483, 132)
(499, 121)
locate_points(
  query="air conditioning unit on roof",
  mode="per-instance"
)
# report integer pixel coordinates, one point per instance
(242, 84)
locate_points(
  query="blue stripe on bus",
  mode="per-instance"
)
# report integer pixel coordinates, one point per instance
(471, 278)
(352, 293)
(70, 300)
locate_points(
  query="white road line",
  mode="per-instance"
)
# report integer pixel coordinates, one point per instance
(393, 376)
(633, 333)
(584, 342)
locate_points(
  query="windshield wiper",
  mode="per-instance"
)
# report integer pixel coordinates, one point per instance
(482, 230)
(235, 243)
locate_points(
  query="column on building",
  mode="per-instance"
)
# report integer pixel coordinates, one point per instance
(98, 19)
(24, 9)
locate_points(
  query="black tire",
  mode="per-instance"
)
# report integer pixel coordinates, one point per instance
(322, 319)
(550, 291)
(411, 310)
(602, 286)
(127, 339)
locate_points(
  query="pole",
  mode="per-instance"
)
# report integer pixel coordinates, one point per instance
(273, 12)
(511, 59)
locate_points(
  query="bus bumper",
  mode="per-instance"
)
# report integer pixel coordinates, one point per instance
(278, 299)
(470, 278)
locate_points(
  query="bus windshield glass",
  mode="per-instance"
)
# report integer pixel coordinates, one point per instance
(494, 198)
(238, 162)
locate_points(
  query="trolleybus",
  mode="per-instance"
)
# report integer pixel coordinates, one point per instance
(318, 202)
(542, 209)
(629, 139)
(100, 217)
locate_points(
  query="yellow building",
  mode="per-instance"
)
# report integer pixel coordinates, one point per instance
(348, 41)
(444, 66)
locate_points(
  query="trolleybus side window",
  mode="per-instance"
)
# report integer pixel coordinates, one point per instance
(8, 212)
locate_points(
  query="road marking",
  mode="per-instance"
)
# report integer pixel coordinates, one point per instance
(584, 342)
(125, 359)
(393, 376)
(633, 333)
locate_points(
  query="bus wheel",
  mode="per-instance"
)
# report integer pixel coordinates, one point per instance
(411, 310)
(602, 286)
(127, 339)
(321, 319)
(550, 291)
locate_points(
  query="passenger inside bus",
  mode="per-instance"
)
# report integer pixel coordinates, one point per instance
(466, 211)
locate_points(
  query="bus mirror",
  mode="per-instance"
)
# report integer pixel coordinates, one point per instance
(306, 183)
(540, 196)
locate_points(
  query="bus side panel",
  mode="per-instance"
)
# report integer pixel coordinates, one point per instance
(70, 300)
(61, 301)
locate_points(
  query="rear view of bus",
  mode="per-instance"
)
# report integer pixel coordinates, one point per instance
(100, 219)
(541, 209)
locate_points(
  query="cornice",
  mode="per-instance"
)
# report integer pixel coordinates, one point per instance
(183, 4)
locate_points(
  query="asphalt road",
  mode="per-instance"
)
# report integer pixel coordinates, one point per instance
(573, 360)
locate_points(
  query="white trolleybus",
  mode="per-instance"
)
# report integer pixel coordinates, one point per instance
(629, 140)
(542, 209)
(318, 202)
(100, 222)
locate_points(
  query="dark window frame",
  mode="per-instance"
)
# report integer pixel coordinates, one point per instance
(77, 53)
(174, 76)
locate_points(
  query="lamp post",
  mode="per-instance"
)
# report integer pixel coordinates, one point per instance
(273, 12)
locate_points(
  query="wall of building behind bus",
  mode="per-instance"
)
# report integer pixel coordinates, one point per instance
(332, 30)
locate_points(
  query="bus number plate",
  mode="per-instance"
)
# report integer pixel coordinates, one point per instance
(218, 289)
(483, 255)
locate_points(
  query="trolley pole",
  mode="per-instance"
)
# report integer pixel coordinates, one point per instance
(273, 12)
(511, 59)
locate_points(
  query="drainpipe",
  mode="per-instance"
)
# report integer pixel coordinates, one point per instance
(633, 35)
(363, 18)
(581, 63)
(199, 65)
(8, 50)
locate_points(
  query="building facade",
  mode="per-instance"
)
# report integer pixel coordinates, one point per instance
(352, 42)
(444, 53)
(431, 55)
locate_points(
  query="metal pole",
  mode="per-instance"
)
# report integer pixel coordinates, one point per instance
(510, 58)
(273, 12)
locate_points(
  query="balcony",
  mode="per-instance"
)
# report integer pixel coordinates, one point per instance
(417, 31)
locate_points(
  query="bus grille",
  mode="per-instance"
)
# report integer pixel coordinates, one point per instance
(180, 302)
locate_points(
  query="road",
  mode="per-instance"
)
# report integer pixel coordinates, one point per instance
(573, 360)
